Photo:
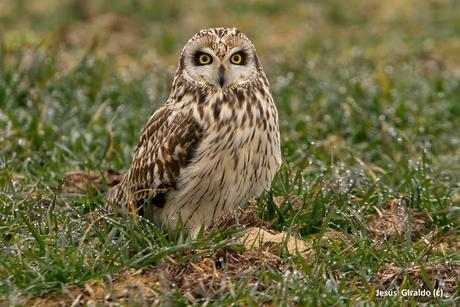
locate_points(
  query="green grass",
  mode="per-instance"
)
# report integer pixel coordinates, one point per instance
(369, 104)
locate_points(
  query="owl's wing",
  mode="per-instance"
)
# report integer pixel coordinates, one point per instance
(167, 144)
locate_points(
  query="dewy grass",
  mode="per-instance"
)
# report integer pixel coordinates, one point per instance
(370, 118)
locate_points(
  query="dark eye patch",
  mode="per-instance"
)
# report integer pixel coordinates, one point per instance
(198, 57)
(244, 57)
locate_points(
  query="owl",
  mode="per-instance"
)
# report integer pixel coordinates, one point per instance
(213, 145)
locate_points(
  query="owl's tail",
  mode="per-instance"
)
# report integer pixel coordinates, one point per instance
(117, 198)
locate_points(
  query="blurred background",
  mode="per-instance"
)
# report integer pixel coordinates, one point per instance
(294, 29)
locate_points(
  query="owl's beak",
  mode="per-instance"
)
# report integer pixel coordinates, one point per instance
(221, 74)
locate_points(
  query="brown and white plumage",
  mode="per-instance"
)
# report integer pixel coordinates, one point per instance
(213, 145)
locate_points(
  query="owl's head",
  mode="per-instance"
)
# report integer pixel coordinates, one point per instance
(219, 58)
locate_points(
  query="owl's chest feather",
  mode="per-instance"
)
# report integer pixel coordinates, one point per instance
(240, 147)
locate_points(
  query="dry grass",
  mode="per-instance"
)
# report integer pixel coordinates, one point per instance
(397, 220)
(203, 277)
(82, 181)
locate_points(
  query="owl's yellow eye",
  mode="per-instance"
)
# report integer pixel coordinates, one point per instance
(204, 59)
(237, 59)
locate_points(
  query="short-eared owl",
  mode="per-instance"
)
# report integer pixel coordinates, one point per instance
(213, 145)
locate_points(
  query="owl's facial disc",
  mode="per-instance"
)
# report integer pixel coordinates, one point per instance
(235, 67)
